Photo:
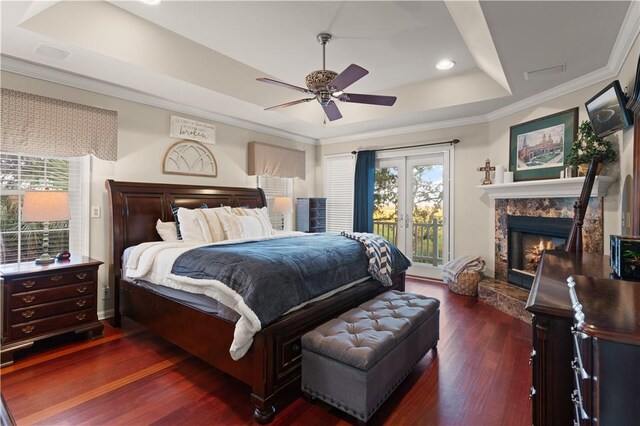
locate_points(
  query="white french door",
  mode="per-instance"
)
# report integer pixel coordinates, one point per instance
(412, 206)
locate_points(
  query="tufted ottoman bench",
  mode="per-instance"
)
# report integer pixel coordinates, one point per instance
(355, 361)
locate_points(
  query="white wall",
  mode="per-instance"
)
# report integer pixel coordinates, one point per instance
(143, 138)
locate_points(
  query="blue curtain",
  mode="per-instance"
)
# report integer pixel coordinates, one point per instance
(363, 192)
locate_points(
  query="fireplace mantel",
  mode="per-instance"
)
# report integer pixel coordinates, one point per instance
(552, 188)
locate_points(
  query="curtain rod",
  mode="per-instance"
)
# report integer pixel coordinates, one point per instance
(451, 142)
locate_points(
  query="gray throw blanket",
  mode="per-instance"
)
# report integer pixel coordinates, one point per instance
(275, 275)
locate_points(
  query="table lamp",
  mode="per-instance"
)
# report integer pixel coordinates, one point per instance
(283, 205)
(45, 207)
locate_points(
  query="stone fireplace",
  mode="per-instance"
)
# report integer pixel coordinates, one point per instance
(558, 213)
(538, 215)
(527, 238)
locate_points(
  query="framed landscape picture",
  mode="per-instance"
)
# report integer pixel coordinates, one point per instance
(537, 148)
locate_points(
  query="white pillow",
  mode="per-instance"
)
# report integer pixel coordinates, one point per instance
(167, 230)
(211, 221)
(261, 214)
(190, 225)
(236, 227)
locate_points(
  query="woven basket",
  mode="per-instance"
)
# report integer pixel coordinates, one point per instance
(467, 284)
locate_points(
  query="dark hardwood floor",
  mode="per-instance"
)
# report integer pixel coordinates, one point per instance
(480, 376)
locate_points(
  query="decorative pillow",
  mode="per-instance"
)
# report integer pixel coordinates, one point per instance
(174, 210)
(191, 228)
(167, 230)
(213, 224)
(236, 227)
(261, 214)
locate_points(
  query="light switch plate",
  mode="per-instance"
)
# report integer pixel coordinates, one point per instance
(95, 211)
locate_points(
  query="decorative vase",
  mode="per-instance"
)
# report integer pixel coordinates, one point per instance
(584, 167)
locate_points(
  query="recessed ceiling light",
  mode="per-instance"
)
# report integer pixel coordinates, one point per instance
(445, 64)
(151, 2)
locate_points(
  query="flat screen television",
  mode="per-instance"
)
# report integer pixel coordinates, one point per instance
(607, 110)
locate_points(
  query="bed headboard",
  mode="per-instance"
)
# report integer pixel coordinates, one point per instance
(136, 206)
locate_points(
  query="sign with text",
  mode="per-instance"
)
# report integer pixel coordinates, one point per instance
(184, 128)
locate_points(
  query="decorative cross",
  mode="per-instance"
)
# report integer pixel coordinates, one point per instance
(487, 169)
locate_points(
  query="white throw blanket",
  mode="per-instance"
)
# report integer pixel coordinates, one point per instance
(452, 269)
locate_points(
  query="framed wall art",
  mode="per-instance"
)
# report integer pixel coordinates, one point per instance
(538, 148)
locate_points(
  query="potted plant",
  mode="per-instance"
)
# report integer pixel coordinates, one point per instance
(587, 146)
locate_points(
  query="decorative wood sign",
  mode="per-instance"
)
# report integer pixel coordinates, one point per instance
(189, 158)
(184, 128)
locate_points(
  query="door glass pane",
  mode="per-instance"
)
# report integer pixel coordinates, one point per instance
(385, 203)
(427, 213)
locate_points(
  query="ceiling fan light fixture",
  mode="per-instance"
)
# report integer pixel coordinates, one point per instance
(320, 79)
(445, 64)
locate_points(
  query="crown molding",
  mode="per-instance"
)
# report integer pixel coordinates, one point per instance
(629, 31)
(53, 75)
(458, 122)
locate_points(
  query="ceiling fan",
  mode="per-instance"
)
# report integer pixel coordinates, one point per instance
(325, 84)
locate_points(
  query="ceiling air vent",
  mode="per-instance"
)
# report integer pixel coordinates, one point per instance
(52, 52)
(544, 72)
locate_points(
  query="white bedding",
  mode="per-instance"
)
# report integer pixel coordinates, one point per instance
(153, 262)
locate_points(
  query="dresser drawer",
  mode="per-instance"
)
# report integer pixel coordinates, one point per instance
(32, 313)
(27, 284)
(35, 328)
(52, 294)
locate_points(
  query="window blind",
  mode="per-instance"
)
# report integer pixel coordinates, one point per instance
(338, 189)
(277, 187)
(22, 241)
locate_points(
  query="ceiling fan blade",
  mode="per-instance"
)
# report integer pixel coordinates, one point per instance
(368, 99)
(299, 101)
(347, 77)
(287, 85)
(332, 111)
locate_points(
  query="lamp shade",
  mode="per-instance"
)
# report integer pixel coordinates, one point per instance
(45, 206)
(283, 205)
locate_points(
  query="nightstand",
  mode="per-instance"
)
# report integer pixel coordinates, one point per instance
(41, 301)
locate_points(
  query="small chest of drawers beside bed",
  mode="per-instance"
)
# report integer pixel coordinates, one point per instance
(39, 302)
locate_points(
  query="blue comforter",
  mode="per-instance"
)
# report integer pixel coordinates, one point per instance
(275, 275)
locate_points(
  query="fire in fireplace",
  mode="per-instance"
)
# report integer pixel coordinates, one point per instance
(528, 237)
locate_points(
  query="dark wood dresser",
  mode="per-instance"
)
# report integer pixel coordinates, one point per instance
(552, 352)
(606, 353)
(41, 301)
(311, 214)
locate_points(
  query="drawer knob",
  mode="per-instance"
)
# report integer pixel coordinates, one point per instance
(28, 329)
(81, 316)
(81, 302)
(28, 284)
(82, 289)
(56, 278)
(295, 348)
(81, 275)
(531, 356)
(532, 392)
(28, 313)
(28, 299)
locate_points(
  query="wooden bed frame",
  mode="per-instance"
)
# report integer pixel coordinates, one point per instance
(272, 365)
